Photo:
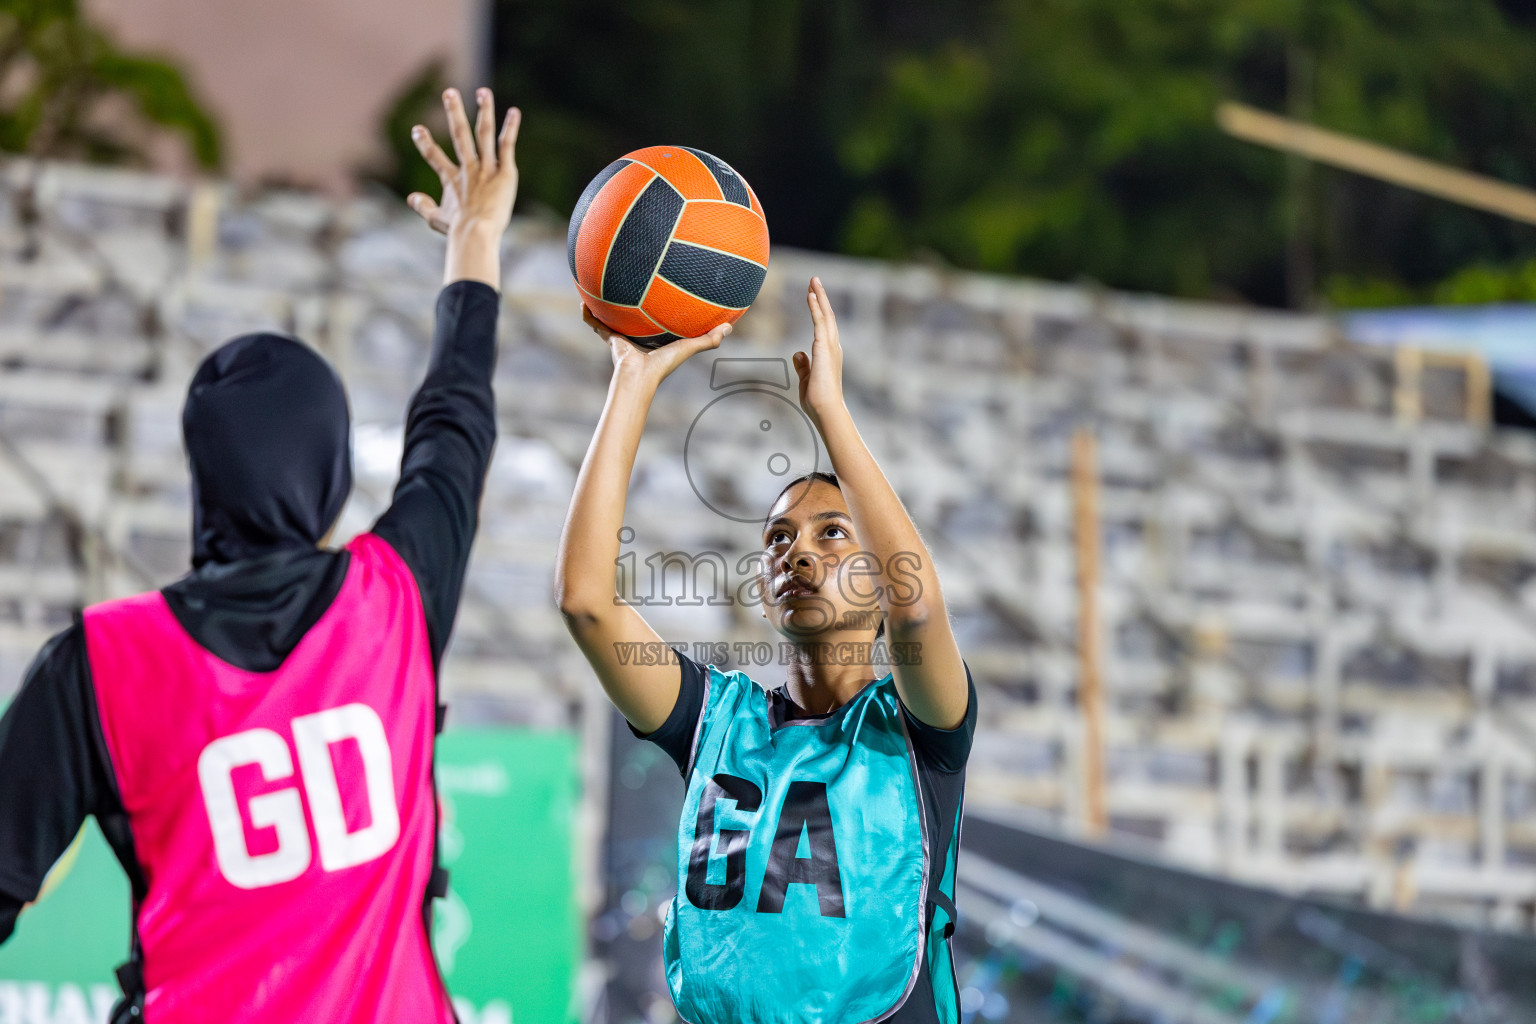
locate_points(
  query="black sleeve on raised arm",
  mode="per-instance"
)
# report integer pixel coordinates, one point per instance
(945, 750)
(675, 736)
(53, 772)
(450, 431)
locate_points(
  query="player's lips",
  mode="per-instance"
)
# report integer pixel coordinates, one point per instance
(793, 587)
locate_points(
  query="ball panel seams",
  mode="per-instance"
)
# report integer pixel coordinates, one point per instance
(724, 226)
(687, 173)
(713, 276)
(684, 313)
(638, 245)
(604, 216)
(629, 321)
(579, 215)
(733, 188)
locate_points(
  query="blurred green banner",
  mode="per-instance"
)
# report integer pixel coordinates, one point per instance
(508, 936)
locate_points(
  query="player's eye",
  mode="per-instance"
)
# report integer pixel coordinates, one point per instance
(836, 533)
(778, 537)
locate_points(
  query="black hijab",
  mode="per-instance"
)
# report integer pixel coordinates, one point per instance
(268, 443)
(267, 435)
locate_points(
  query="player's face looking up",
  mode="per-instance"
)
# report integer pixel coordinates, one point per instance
(815, 579)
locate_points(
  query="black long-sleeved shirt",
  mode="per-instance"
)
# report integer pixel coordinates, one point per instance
(54, 769)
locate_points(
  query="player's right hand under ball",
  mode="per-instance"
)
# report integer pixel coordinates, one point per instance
(650, 366)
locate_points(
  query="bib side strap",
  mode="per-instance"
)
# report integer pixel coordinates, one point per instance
(944, 903)
(130, 978)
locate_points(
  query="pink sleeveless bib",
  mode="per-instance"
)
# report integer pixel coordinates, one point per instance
(284, 820)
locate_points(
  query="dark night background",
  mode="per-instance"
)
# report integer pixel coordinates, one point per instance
(1061, 138)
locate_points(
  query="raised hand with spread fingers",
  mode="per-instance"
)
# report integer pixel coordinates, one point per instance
(478, 191)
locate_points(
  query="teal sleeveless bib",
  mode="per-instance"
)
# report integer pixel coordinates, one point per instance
(802, 863)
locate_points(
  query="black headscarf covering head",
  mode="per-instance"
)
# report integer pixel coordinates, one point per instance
(268, 442)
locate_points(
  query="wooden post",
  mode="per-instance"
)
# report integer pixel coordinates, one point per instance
(1232, 797)
(1490, 825)
(203, 224)
(1380, 162)
(1272, 800)
(1090, 689)
(1479, 390)
(1405, 887)
(1408, 395)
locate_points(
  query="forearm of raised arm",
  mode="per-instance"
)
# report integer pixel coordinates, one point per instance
(474, 253)
(883, 526)
(450, 433)
(601, 623)
(589, 543)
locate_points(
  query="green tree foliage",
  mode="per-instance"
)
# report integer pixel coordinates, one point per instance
(66, 91)
(1063, 138)
(1477, 284)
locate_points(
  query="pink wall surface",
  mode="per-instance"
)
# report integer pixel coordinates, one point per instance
(298, 86)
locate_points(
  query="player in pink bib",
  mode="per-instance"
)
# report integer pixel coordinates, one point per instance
(256, 738)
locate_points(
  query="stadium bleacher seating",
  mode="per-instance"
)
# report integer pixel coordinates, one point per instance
(1319, 586)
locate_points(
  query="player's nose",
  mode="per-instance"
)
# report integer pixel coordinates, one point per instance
(796, 559)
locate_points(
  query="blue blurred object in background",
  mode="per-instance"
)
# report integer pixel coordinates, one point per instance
(1505, 335)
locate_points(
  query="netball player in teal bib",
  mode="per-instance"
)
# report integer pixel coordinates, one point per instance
(817, 842)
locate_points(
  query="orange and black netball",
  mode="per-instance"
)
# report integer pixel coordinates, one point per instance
(668, 242)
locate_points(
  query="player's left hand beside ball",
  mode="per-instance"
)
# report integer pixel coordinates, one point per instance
(820, 371)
